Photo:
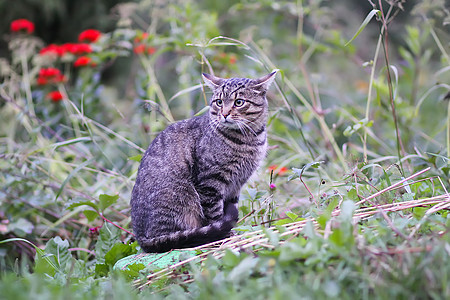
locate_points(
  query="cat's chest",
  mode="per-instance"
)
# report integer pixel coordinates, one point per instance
(232, 164)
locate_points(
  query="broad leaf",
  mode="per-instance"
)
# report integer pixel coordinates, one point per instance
(107, 200)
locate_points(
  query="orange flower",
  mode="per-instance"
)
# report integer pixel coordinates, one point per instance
(55, 96)
(232, 59)
(280, 171)
(22, 25)
(272, 168)
(89, 35)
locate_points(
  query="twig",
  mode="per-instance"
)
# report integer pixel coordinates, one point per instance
(118, 226)
(259, 239)
(392, 186)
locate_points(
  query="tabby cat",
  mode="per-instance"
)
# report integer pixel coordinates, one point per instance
(190, 177)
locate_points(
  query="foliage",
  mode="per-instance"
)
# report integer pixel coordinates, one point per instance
(361, 104)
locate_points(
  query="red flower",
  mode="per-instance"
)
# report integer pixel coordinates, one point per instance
(89, 35)
(42, 81)
(83, 61)
(141, 37)
(53, 49)
(22, 25)
(55, 96)
(139, 49)
(49, 72)
(50, 75)
(77, 49)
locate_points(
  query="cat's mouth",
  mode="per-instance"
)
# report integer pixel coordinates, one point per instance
(228, 122)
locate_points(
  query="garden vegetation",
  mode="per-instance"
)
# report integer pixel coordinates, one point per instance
(351, 202)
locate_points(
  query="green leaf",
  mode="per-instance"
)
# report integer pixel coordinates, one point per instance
(352, 194)
(55, 259)
(347, 209)
(298, 248)
(21, 227)
(337, 237)
(70, 142)
(136, 157)
(119, 251)
(274, 238)
(74, 171)
(299, 172)
(243, 270)
(326, 215)
(40, 256)
(186, 91)
(202, 111)
(364, 24)
(282, 222)
(101, 270)
(308, 230)
(60, 250)
(107, 200)
(88, 203)
(291, 215)
(132, 271)
(230, 259)
(91, 215)
(108, 236)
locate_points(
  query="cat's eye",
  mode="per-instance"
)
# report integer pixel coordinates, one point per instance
(239, 102)
(219, 102)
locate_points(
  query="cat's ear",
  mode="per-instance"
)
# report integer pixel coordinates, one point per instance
(212, 81)
(264, 82)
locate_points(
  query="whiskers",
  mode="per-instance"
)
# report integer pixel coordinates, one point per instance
(213, 124)
(244, 126)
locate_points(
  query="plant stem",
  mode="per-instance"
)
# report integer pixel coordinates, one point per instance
(369, 95)
(384, 34)
(111, 222)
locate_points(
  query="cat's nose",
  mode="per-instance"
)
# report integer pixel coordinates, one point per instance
(226, 113)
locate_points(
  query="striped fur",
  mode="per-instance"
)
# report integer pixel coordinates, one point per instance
(190, 177)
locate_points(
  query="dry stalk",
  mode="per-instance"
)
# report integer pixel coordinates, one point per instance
(258, 239)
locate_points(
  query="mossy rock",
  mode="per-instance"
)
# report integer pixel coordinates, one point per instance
(155, 260)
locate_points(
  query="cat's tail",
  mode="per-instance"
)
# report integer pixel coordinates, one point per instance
(189, 238)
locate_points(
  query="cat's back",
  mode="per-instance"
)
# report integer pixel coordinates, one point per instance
(181, 132)
(172, 149)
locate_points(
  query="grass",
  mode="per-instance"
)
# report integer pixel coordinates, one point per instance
(351, 202)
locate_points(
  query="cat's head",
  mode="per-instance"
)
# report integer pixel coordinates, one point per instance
(239, 103)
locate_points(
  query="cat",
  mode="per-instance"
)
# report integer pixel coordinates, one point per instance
(190, 177)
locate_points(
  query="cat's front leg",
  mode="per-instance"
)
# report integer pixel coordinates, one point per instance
(230, 209)
(213, 209)
(212, 202)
